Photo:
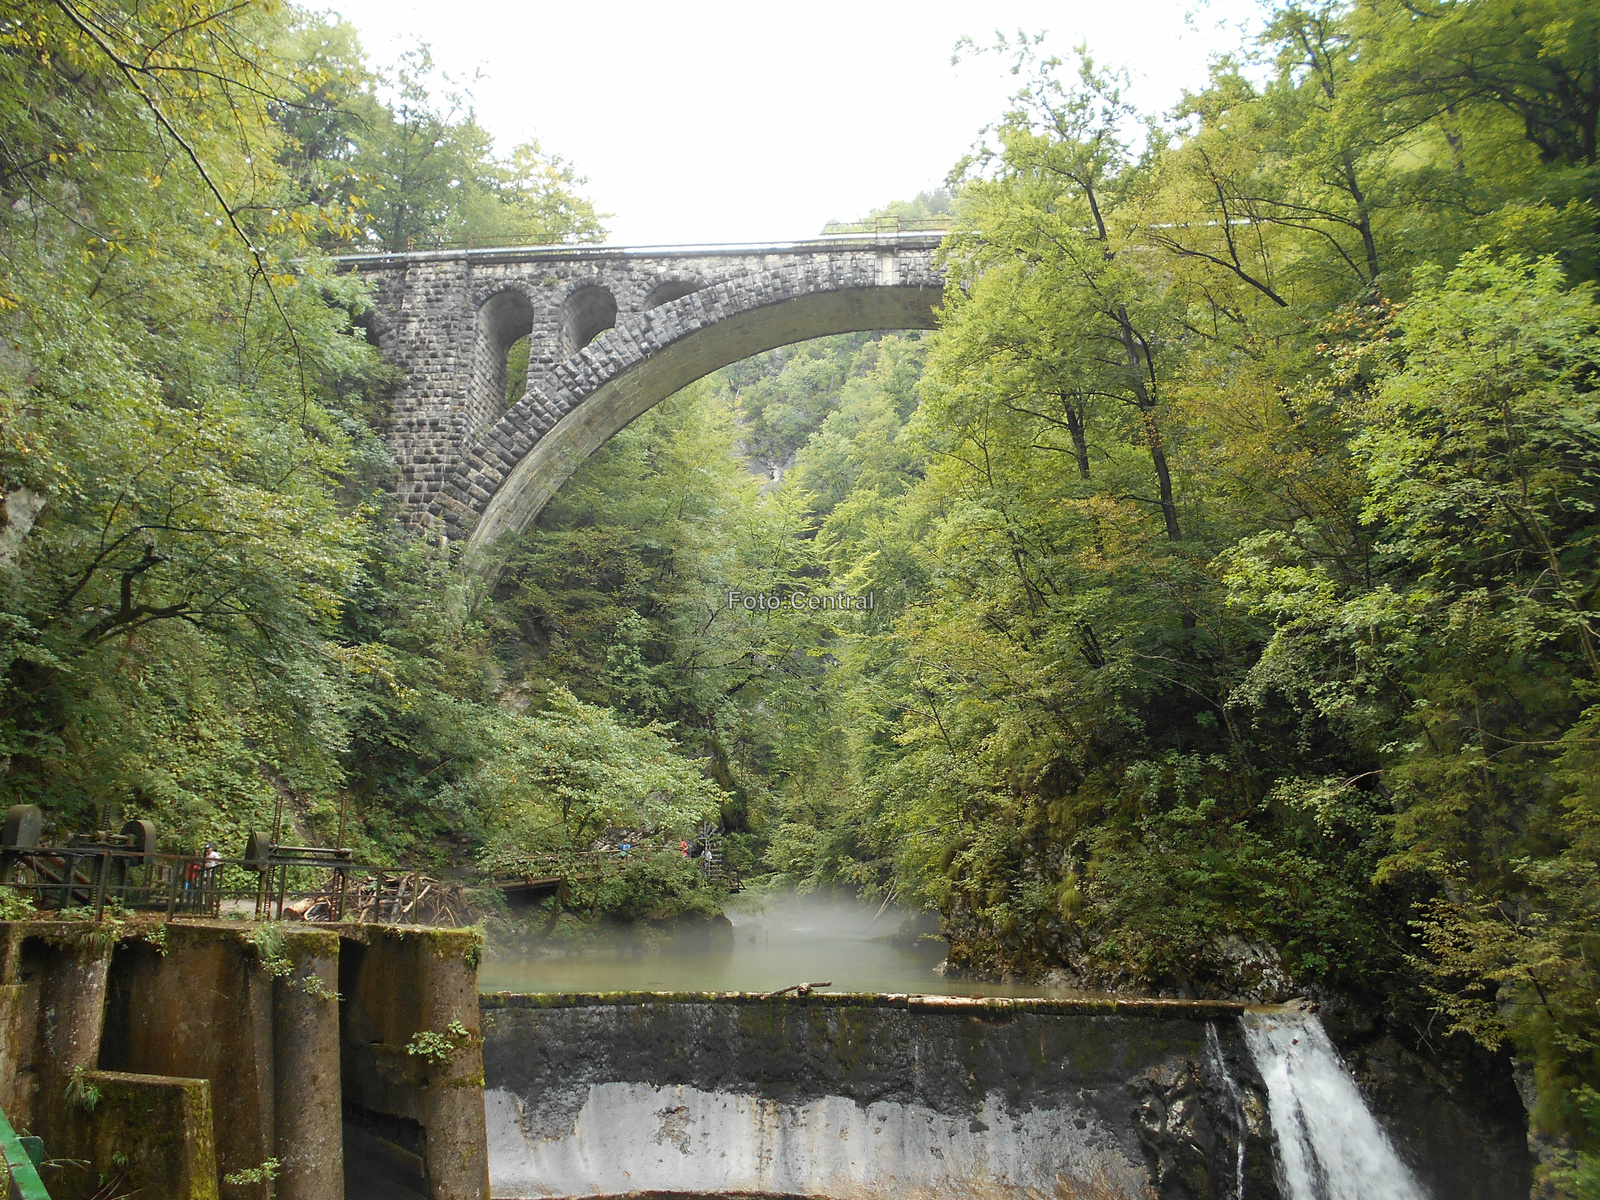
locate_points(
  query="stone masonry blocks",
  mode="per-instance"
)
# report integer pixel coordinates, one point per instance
(448, 318)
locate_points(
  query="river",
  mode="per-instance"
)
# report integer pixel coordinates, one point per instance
(778, 939)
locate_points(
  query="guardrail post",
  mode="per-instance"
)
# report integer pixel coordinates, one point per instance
(25, 1183)
(172, 891)
(102, 869)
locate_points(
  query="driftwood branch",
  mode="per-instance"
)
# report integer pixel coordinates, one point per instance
(799, 989)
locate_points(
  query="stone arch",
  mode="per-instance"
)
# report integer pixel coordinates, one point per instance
(667, 291)
(587, 312)
(503, 319)
(507, 478)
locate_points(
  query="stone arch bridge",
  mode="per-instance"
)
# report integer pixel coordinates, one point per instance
(611, 332)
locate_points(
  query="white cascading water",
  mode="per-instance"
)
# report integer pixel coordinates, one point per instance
(1219, 1063)
(1329, 1145)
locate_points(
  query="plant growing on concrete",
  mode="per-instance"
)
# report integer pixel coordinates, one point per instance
(265, 1173)
(313, 986)
(269, 944)
(440, 1047)
(84, 1095)
(272, 952)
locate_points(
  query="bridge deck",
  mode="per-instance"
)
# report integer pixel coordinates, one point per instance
(824, 244)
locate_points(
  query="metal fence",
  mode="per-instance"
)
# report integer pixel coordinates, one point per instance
(872, 225)
(890, 225)
(304, 883)
(115, 870)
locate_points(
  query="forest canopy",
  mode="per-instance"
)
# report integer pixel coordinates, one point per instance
(1233, 539)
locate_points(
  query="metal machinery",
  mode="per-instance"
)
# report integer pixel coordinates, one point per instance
(124, 870)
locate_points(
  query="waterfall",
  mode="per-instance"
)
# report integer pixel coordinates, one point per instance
(1329, 1146)
(1236, 1094)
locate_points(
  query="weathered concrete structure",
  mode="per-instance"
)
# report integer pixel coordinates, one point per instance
(856, 1096)
(179, 1060)
(611, 332)
(851, 1097)
(185, 1053)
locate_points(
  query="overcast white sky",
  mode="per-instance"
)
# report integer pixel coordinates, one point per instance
(726, 122)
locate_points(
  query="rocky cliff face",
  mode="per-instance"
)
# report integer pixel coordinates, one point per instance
(1205, 1134)
(1451, 1107)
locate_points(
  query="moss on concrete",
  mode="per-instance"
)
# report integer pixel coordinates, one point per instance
(151, 1133)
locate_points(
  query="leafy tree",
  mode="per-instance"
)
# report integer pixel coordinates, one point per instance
(432, 175)
(175, 403)
(572, 771)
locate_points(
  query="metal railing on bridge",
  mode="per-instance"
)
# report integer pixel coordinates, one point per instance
(123, 871)
(833, 229)
(889, 225)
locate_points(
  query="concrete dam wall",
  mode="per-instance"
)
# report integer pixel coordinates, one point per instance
(230, 1061)
(848, 1096)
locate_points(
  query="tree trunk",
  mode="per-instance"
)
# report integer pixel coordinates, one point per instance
(1080, 438)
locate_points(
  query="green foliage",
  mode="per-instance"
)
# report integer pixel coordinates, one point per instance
(155, 936)
(265, 1173)
(1233, 540)
(431, 176)
(1243, 542)
(575, 770)
(176, 397)
(653, 885)
(81, 1093)
(1465, 655)
(270, 946)
(437, 1048)
(195, 604)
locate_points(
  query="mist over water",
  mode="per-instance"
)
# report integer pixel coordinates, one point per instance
(777, 939)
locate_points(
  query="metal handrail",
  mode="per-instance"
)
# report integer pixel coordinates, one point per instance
(100, 877)
(24, 1183)
(890, 225)
(426, 251)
